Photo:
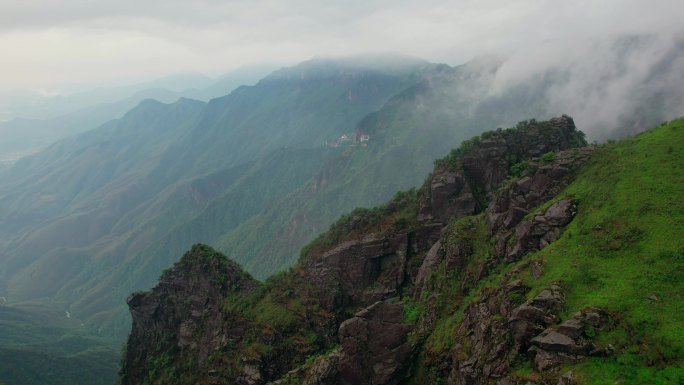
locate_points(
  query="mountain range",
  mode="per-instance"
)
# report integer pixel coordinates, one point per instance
(256, 173)
(30, 123)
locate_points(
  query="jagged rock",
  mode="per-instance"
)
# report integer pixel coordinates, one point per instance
(456, 190)
(450, 196)
(251, 376)
(534, 316)
(374, 344)
(432, 259)
(424, 236)
(544, 360)
(536, 233)
(568, 342)
(537, 269)
(324, 370)
(481, 350)
(184, 311)
(510, 205)
(554, 341)
(362, 270)
(566, 378)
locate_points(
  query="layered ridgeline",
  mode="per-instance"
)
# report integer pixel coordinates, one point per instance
(29, 123)
(81, 222)
(79, 218)
(257, 174)
(449, 105)
(525, 257)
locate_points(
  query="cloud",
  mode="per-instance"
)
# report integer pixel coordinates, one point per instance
(611, 85)
(52, 42)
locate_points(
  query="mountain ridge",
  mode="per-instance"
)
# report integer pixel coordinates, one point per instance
(435, 288)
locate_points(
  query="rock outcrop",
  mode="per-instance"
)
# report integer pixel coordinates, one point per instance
(540, 182)
(539, 231)
(465, 180)
(351, 285)
(570, 341)
(360, 271)
(495, 331)
(375, 346)
(183, 317)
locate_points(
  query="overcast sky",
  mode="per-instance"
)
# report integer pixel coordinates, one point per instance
(48, 43)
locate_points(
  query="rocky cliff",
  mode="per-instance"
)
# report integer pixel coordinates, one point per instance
(436, 286)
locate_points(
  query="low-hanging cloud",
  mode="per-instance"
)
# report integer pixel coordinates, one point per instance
(47, 43)
(625, 83)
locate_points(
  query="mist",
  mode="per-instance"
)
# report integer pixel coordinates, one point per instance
(53, 45)
(625, 83)
(596, 61)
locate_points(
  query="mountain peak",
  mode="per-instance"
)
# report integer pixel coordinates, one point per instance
(322, 66)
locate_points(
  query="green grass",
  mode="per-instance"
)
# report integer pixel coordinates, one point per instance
(625, 245)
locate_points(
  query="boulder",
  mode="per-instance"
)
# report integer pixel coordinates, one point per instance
(540, 231)
(534, 316)
(570, 341)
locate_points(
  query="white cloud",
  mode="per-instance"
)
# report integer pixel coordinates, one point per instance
(46, 43)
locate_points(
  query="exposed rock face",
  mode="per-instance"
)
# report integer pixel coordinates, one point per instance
(534, 316)
(368, 268)
(514, 202)
(481, 351)
(538, 232)
(450, 196)
(346, 273)
(432, 259)
(494, 329)
(458, 188)
(372, 266)
(324, 371)
(183, 313)
(570, 341)
(374, 345)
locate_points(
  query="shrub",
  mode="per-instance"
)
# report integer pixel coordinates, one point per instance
(548, 157)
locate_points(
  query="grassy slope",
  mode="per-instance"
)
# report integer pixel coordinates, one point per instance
(625, 245)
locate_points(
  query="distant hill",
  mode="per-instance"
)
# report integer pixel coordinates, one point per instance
(42, 121)
(77, 219)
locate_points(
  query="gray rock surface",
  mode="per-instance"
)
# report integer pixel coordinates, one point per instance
(375, 346)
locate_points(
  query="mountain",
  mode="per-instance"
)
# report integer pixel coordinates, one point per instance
(77, 219)
(526, 257)
(413, 128)
(33, 127)
(638, 84)
(46, 105)
(256, 173)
